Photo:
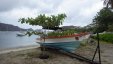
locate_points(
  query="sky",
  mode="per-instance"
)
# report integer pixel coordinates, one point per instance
(79, 12)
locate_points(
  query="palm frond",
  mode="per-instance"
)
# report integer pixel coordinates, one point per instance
(108, 3)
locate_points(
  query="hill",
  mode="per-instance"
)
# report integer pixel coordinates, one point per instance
(9, 27)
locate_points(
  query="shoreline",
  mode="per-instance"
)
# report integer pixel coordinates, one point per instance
(20, 48)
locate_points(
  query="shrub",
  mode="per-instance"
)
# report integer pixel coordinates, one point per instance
(62, 33)
(105, 37)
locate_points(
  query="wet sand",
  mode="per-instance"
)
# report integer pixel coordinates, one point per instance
(31, 55)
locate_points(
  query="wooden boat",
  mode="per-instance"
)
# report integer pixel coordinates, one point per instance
(68, 43)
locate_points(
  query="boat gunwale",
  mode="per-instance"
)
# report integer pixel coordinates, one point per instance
(66, 36)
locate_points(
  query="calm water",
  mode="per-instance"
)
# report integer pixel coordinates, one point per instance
(9, 39)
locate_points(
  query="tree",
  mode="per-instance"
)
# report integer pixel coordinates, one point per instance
(110, 28)
(90, 27)
(45, 21)
(103, 19)
(108, 3)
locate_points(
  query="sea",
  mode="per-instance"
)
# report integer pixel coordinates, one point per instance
(9, 39)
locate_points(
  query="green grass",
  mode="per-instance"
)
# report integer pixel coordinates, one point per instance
(105, 37)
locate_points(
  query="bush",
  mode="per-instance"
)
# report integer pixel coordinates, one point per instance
(62, 33)
(105, 37)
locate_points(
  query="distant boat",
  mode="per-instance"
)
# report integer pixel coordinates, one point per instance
(68, 43)
(21, 34)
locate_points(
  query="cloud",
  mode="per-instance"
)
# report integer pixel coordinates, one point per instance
(79, 12)
(6, 5)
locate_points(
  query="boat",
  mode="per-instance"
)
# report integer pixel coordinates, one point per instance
(68, 43)
(20, 34)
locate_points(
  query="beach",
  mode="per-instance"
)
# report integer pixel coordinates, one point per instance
(30, 55)
(8, 50)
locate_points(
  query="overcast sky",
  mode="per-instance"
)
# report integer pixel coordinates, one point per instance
(79, 12)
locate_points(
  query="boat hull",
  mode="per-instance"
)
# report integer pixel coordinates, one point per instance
(67, 46)
(66, 43)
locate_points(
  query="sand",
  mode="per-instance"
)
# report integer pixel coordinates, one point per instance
(7, 50)
(30, 55)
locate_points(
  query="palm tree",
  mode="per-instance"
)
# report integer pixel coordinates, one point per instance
(108, 3)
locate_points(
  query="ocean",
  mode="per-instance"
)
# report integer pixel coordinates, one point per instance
(9, 39)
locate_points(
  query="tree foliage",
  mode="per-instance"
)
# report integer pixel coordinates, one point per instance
(108, 3)
(103, 19)
(45, 21)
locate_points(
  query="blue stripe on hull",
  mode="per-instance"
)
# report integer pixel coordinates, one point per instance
(67, 46)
